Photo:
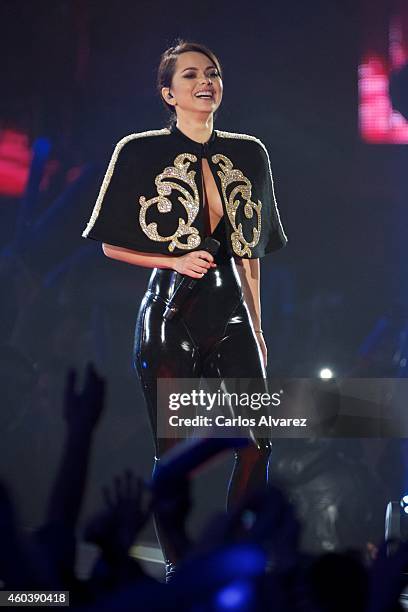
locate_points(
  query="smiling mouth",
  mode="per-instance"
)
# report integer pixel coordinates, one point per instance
(205, 96)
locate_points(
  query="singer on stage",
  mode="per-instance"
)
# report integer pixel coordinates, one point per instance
(164, 193)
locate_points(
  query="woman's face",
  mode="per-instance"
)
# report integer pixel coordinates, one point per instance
(194, 75)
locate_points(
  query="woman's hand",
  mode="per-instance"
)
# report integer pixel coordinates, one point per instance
(194, 264)
(262, 346)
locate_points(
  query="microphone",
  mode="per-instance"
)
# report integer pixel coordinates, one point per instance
(187, 283)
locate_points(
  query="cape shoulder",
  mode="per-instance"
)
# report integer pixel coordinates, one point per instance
(240, 136)
(262, 151)
(111, 167)
(136, 135)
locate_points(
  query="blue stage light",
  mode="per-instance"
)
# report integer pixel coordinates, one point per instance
(237, 596)
(42, 147)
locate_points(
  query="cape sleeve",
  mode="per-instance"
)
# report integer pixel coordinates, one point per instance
(273, 236)
(115, 216)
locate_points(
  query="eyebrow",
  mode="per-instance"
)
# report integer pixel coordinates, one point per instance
(194, 68)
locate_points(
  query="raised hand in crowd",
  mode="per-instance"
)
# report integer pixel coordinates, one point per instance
(115, 528)
(265, 521)
(265, 518)
(82, 410)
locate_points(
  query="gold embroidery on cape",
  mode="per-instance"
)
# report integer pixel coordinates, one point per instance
(190, 201)
(228, 175)
(239, 136)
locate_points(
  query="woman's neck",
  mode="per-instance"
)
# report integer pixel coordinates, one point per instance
(196, 130)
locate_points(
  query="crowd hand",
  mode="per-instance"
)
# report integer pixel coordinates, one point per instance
(116, 527)
(194, 264)
(82, 410)
(273, 525)
(388, 577)
(264, 518)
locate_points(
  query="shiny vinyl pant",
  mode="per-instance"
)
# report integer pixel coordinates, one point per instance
(211, 336)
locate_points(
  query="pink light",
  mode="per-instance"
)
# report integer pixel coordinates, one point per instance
(15, 160)
(378, 121)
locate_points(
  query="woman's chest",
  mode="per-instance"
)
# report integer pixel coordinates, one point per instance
(212, 203)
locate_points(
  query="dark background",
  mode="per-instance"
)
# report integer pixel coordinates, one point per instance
(82, 74)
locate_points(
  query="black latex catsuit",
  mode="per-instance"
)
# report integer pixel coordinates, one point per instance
(211, 336)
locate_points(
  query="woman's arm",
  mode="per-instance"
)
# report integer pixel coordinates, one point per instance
(136, 258)
(249, 273)
(194, 264)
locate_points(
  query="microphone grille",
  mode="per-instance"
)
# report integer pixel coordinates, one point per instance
(211, 245)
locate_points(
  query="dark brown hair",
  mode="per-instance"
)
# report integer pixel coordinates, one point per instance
(167, 67)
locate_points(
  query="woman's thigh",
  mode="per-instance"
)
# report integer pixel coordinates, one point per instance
(162, 349)
(237, 354)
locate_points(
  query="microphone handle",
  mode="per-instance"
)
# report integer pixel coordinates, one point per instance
(186, 285)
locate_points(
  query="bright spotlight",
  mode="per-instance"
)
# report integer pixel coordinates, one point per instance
(326, 373)
(404, 503)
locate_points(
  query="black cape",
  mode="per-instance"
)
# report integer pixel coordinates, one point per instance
(151, 199)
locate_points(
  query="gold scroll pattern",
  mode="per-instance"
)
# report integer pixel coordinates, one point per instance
(228, 175)
(190, 201)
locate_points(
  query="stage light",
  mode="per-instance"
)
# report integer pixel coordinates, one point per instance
(326, 373)
(393, 521)
(396, 525)
(237, 596)
(404, 503)
(42, 147)
(396, 522)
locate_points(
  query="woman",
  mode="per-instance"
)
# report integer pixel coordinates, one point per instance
(164, 192)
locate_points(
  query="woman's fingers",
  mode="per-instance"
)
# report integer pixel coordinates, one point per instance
(202, 263)
(195, 264)
(205, 255)
(198, 268)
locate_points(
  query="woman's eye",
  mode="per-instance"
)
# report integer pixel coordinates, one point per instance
(190, 75)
